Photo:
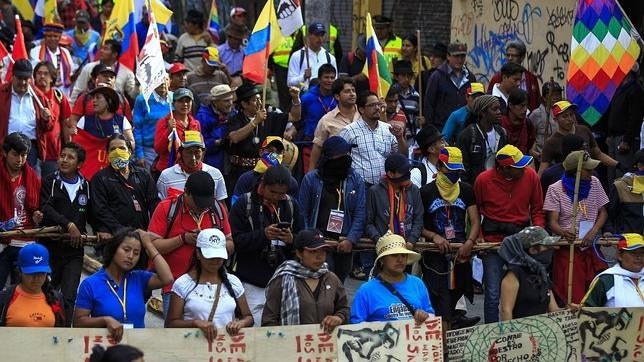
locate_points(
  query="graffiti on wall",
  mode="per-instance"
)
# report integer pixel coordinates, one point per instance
(488, 25)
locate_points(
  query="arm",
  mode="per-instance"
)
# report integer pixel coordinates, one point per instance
(542, 167)
(163, 275)
(552, 303)
(129, 135)
(509, 290)
(81, 84)
(305, 198)
(138, 117)
(83, 311)
(371, 231)
(340, 308)
(601, 156)
(602, 216)
(417, 222)
(175, 319)
(295, 77)
(536, 201)
(161, 134)
(245, 131)
(431, 96)
(101, 206)
(247, 239)
(596, 295)
(273, 305)
(296, 109)
(553, 225)
(48, 208)
(315, 155)
(359, 214)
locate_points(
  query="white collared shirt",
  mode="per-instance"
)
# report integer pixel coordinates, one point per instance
(22, 115)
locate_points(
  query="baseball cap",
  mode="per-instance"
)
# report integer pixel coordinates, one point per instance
(275, 141)
(452, 158)
(561, 106)
(630, 241)
(511, 156)
(335, 146)
(211, 56)
(457, 49)
(201, 187)
(34, 258)
(221, 91)
(212, 243)
(397, 163)
(475, 88)
(192, 139)
(65, 40)
(22, 68)
(182, 93)
(177, 68)
(101, 68)
(237, 11)
(536, 235)
(309, 239)
(317, 28)
(572, 160)
(82, 16)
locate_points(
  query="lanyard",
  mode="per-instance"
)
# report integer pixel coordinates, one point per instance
(339, 191)
(196, 219)
(325, 107)
(122, 302)
(582, 208)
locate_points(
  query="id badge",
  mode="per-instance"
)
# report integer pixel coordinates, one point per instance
(449, 232)
(137, 206)
(336, 221)
(584, 228)
(128, 325)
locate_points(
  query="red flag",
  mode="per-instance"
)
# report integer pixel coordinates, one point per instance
(19, 49)
(95, 154)
(3, 51)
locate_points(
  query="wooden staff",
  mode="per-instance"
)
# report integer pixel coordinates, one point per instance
(31, 232)
(419, 88)
(575, 206)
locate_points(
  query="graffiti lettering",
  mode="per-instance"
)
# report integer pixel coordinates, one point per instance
(560, 49)
(506, 9)
(487, 54)
(527, 21)
(477, 7)
(462, 25)
(537, 62)
(559, 71)
(560, 16)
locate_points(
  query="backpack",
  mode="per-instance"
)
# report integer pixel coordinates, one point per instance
(303, 56)
(423, 174)
(174, 210)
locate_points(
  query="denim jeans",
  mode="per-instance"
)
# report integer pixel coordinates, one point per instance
(492, 276)
(66, 268)
(166, 304)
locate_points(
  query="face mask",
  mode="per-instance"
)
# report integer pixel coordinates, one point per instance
(544, 257)
(453, 177)
(401, 179)
(337, 168)
(119, 158)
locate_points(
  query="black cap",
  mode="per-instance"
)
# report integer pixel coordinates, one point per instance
(246, 91)
(201, 188)
(397, 163)
(309, 239)
(639, 157)
(22, 68)
(380, 20)
(403, 67)
(101, 68)
(439, 50)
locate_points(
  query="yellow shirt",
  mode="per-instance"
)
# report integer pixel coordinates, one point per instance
(29, 310)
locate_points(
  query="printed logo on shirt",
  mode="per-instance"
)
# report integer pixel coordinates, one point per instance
(82, 200)
(398, 311)
(37, 316)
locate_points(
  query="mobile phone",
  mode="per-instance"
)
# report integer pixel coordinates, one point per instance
(284, 225)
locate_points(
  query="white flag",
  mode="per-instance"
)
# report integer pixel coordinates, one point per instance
(289, 16)
(150, 70)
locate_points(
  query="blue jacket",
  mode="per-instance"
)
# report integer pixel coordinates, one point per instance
(353, 194)
(455, 124)
(145, 122)
(314, 106)
(213, 130)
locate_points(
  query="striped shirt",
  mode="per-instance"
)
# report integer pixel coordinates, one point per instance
(558, 201)
(373, 148)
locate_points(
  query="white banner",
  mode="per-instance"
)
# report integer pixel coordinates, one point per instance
(150, 67)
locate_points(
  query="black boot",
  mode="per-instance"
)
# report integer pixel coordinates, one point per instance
(463, 321)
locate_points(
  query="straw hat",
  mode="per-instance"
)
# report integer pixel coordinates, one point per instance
(391, 243)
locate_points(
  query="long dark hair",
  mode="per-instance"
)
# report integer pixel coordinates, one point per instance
(113, 245)
(223, 275)
(117, 353)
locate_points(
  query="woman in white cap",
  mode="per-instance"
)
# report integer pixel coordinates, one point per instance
(392, 294)
(33, 302)
(622, 285)
(207, 296)
(304, 291)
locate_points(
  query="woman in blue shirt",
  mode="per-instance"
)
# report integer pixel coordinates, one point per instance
(113, 296)
(392, 294)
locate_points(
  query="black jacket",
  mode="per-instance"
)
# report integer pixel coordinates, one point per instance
(474, 148)
(115, 200)
(7, 295)
(59, 210)
(251, 245)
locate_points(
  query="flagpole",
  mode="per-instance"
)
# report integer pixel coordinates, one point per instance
(575, 206)
(268, 48)
(420, 76)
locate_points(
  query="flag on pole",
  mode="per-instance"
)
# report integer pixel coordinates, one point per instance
(174, 142)
(161, 13)
(25, 8)
(150, 70)
(47, 10)
(213, 21)
(19, 49)
(121, 27)
(376, 67)
(289, 16)
(603, 50)
(95, 154)
(266, 36)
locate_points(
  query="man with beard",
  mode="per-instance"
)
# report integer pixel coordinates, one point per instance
(332, 198)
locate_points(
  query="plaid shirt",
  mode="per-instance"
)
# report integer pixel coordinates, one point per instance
(373, 148)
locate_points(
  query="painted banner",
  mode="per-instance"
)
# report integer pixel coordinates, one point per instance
(545, 26)
(612, 334)
(391, 341)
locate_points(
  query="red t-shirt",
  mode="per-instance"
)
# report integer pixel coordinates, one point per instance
(179, 259)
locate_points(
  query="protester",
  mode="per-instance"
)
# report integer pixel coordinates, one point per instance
(526, 287)
(198, 298)
(621, 285)
(50, 50)
(213, 118)
(34, 302)
(409, 52)
(105, 121)
(462, 117)
(542, 118)
(104, 299)
(520, 130)
(392, 294)
(626, 209)
(305, 291)
(430, 142)
(118, 352)
(145, 115)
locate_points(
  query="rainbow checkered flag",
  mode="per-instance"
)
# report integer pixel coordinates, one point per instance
(603, 50)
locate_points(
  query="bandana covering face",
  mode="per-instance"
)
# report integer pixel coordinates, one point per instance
(448, 189)
(119, 158)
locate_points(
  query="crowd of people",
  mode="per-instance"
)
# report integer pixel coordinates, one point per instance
(247, 214)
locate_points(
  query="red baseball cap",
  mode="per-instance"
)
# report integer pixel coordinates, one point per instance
(177, 68)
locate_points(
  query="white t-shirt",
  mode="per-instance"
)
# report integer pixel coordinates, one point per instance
(72, 188)
(126, 123)
(198, 301)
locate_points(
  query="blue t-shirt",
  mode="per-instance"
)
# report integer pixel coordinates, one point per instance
(373, 302)
(94, 294)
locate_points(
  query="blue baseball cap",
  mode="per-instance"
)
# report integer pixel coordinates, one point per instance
(317, 28)
(182, 93)
(34, 258)
(335, 146)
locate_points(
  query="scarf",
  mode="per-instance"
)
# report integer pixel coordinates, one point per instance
(568, 184)
(187, 169)
(402, 205)
(32, 185)
(449, 191)
(517, 133)
(623, 295)
(289, 271)
(82, 37)
(64, 65)
(513, 252)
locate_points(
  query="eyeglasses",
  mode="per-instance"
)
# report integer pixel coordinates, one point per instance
(372, 105)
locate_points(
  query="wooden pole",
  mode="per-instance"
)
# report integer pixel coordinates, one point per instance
(575, 207)
(419, 87)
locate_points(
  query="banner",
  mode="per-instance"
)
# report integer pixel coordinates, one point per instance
(150, 70)
(394, 341)
(95, 153)
(289, 16)
(612, 334)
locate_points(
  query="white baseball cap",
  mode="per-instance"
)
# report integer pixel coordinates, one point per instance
(212, 243)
